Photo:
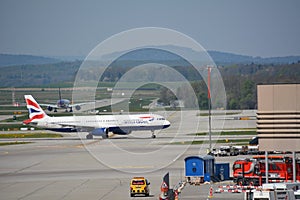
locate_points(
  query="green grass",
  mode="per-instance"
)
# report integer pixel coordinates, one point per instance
(30, 135)
(235, 141)
(12, 127)
(216, 114)
(248, 132)
(13, 108)
(13, 143)
(20, 118)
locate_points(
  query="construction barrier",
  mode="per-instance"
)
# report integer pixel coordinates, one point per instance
(235, 188)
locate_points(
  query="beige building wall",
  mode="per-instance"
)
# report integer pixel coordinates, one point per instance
(278, 117)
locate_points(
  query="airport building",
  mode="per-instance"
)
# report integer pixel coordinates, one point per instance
(278, 117)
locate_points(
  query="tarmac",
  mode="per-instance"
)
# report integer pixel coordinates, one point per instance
(75, 168)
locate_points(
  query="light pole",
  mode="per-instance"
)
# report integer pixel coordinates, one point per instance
(209, 106)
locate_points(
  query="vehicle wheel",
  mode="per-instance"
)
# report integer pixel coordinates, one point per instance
(239, 181)
(89, 136)
(222, 177)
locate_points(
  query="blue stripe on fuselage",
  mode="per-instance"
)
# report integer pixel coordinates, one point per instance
(63, 130)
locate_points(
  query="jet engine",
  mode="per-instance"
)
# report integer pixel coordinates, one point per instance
(49, 108)
(100, 132)
(120, 131)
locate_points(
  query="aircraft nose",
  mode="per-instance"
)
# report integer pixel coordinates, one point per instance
(167, 124)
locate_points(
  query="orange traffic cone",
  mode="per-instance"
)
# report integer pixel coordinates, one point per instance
(210, 192)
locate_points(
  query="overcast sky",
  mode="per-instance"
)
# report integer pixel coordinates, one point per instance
(73, 28)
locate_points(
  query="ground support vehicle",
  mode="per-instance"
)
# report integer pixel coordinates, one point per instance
(298, 169)
(253, 172)
(225, 151)
(274, 191)
(268, 191)
(139, 186)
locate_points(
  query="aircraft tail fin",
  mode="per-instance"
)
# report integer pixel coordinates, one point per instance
(34, 110)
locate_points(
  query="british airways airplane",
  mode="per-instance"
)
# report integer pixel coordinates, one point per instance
(98, 125)
(63, 104)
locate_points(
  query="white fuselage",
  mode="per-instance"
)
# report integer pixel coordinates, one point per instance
(112, 122)
(94, 124)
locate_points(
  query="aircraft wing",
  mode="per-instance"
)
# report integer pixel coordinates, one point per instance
(96, 104)
(86, 106)
(49, 105)
(95, 130)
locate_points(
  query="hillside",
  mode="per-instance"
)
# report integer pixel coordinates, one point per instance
(153, 54)
(240, 79)
(220, 58)
(225, 59)
(38, 75)
(12, 60)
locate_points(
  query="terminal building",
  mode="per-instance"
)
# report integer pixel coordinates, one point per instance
(278, 117)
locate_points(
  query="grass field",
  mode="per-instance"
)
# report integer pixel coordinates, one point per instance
(216, 114)
(13, 143)
(223, 141)
(243, 132)
(30, 135)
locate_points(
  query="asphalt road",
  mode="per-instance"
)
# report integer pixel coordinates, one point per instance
(70, 168)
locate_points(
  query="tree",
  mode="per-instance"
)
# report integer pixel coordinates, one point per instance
(166, 96)
(248, 92)
(233, 104)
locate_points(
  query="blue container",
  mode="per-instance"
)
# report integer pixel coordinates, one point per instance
(222, 171)
(209, 164)
(194, 166)
(199, 165)
(207, 177)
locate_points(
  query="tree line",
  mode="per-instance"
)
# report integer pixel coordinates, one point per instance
(240, 83)
(240, 80)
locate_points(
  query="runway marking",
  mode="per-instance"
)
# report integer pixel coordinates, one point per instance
(74, 188)
(82, 145)
(171, 115)
(134, 167)
(109, 192)
(177, 157)
(66, 146)
(89, 143)
(4, 153)
(57, 146)
(22, 169)
(36, 190)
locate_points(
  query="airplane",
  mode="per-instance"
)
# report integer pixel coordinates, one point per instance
(95, 125)
(63, 103)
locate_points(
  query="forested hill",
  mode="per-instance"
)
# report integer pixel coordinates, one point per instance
(152, 54)
(227, 59)
(240, 79)
(45, 74)
(11, 60)
(38, 75)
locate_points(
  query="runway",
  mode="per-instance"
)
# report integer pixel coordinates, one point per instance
(69, 168)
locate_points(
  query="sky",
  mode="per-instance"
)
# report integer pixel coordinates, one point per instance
(263, 28)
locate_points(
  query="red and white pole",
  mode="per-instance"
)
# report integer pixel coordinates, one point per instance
(209, 106)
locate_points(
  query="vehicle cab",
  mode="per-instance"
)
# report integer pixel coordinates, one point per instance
(139, 185)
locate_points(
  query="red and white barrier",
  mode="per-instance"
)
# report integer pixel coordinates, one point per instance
(235, 188)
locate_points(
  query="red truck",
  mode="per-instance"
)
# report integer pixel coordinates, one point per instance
(253, 172)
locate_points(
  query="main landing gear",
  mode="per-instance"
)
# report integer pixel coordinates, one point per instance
(153, 134)
(89, 136)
